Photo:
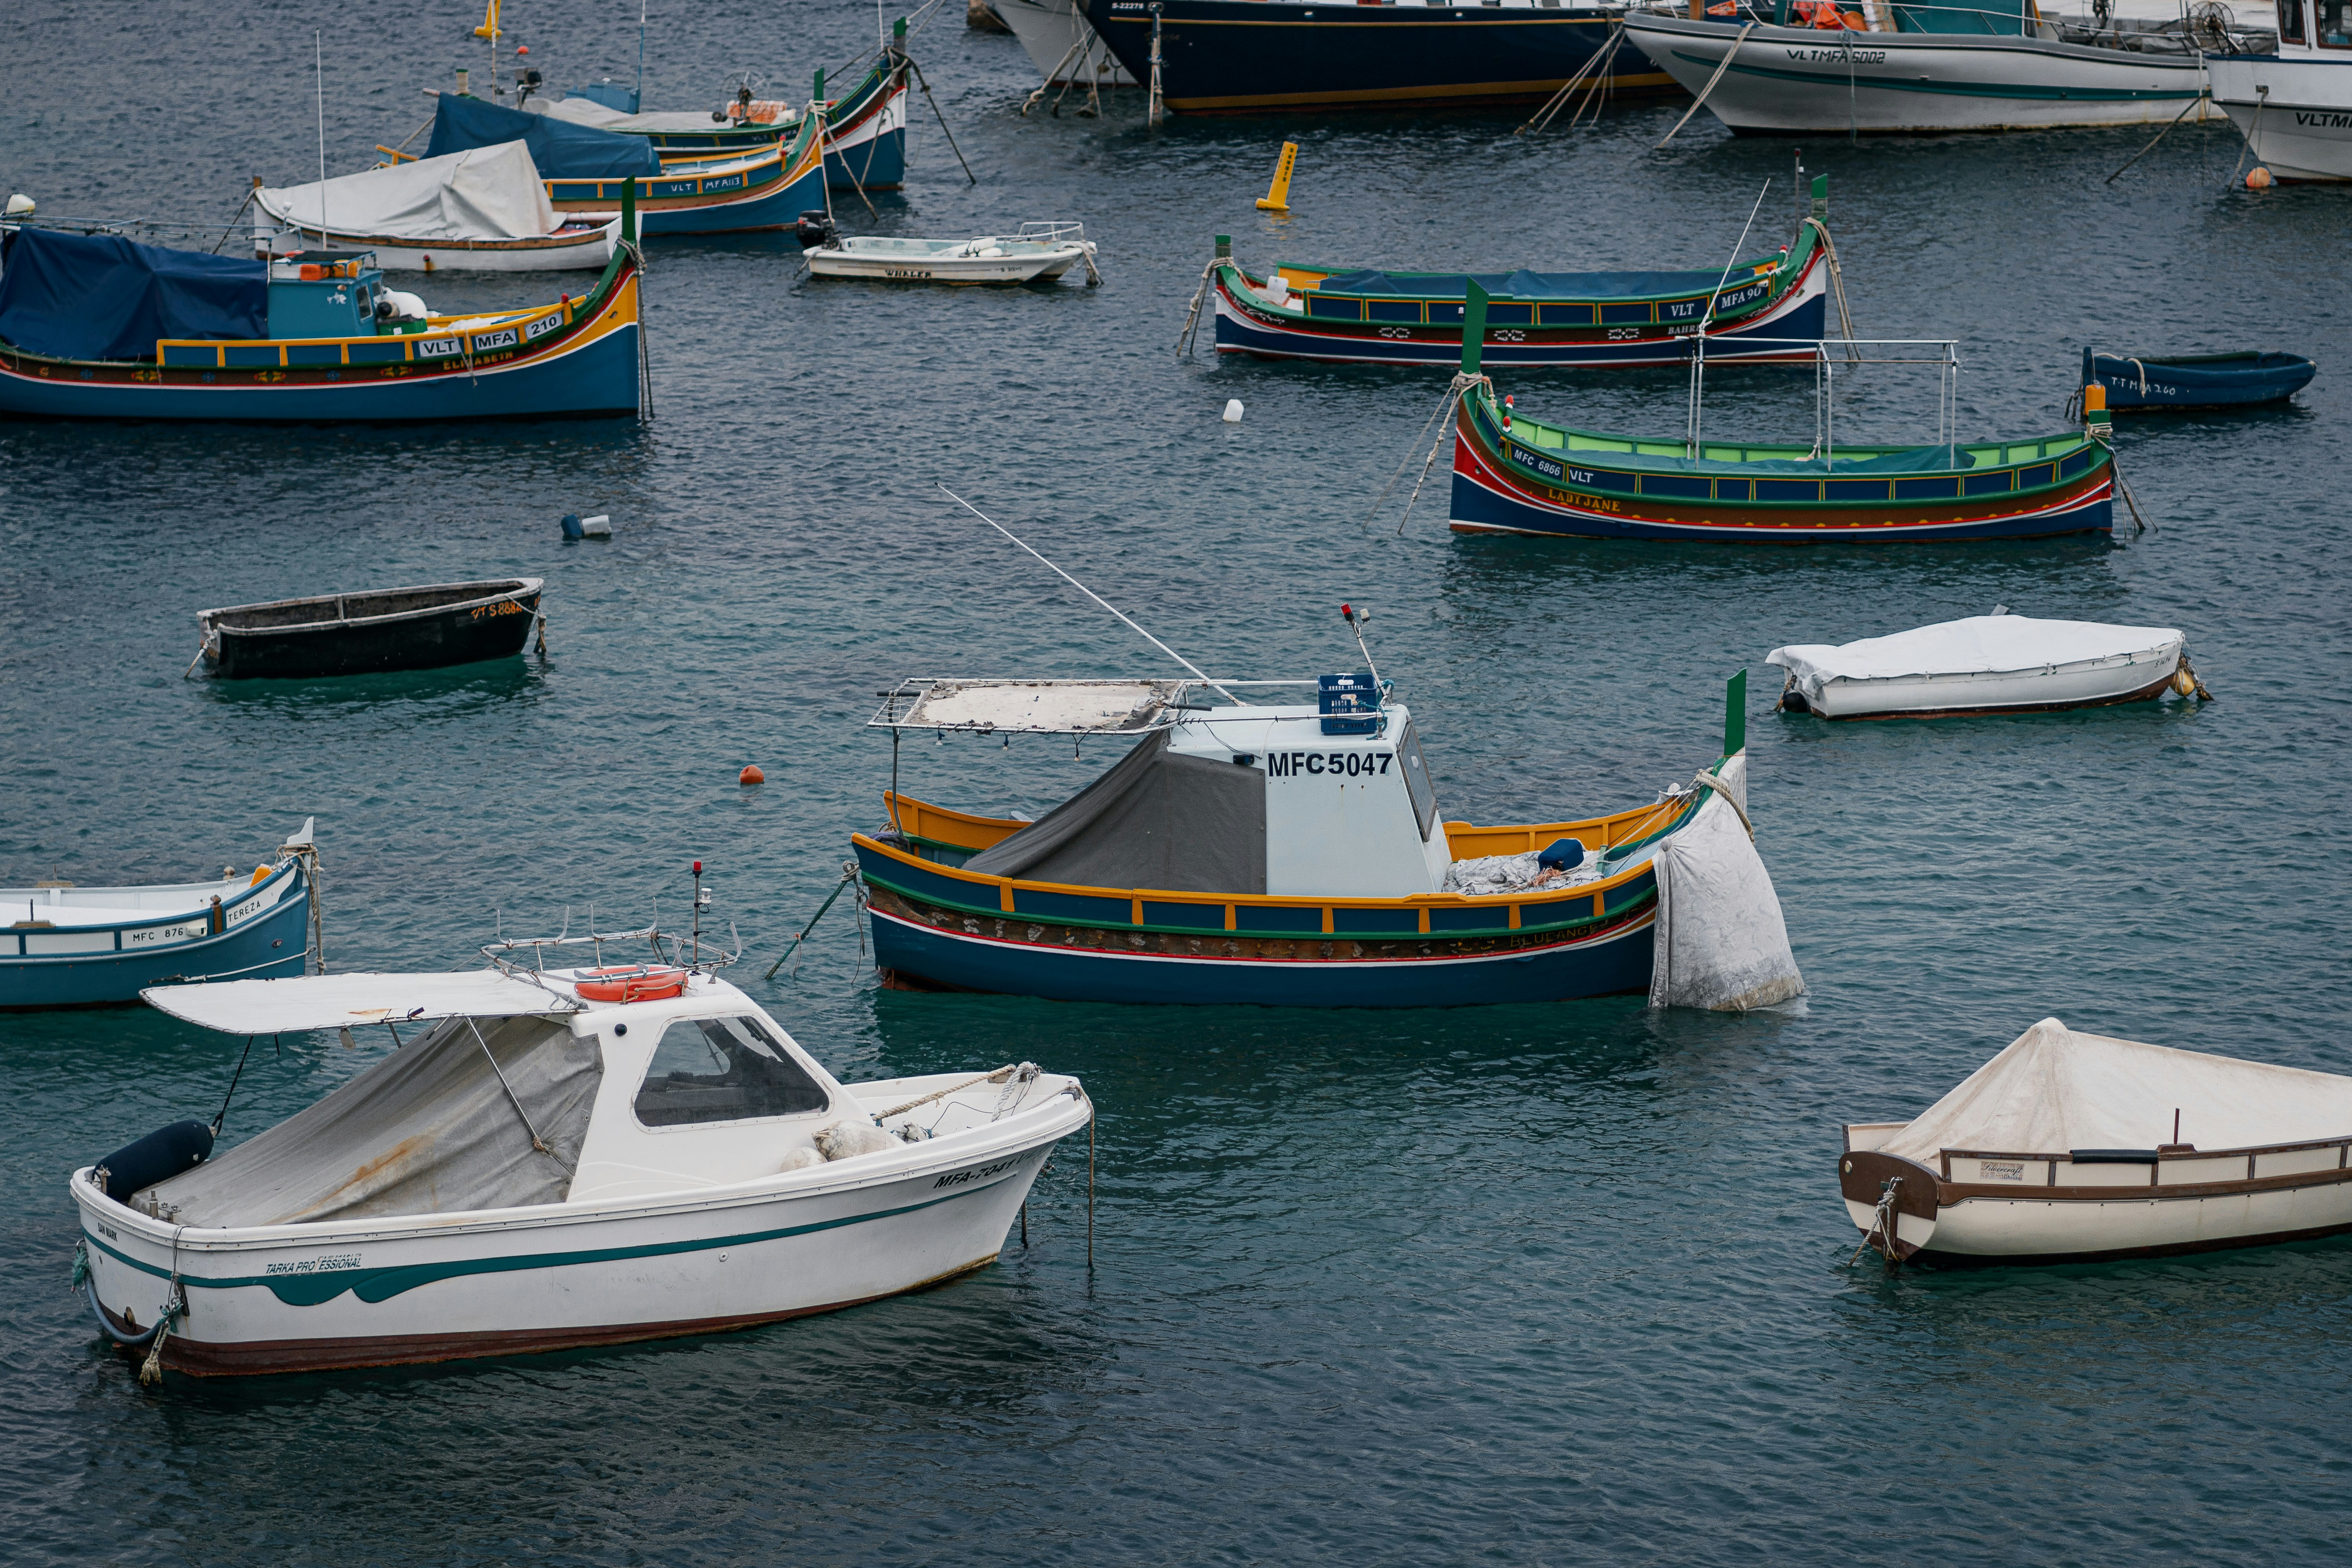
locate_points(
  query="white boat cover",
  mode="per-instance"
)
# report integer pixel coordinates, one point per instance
(2053, 1091)
(1044, 707)
(587, 111)
(347, 1001)
(1980, 645)
(429, 1129)
(487, 193)
(1721, 943)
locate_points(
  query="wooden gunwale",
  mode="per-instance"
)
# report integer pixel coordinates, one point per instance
(1949, 1192)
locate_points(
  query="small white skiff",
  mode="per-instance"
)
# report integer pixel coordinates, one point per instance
(539, 1166)
(1040, 253)
(2069, 1146)
(1986, 664)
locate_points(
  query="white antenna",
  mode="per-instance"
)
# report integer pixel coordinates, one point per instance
(318, 65)
(1090, 594)
(1707, 318)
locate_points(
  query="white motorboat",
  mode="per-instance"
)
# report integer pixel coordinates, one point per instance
(2292, 104)
(1998, 663)
(567, 1157)
(1061, 43)
(1994, 70)
(1040, 253)
(2068, 1146)
(482, 210)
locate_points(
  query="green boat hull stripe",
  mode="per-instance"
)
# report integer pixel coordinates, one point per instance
(376, 1285)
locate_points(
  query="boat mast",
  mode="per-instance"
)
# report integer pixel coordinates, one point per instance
(637, 106)
(318, 69)
(1698, 364)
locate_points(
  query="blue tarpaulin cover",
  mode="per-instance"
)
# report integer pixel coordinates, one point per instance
(1526, 285)
(560, 150)
(99, 295)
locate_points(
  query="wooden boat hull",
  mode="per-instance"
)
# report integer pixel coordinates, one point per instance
(579, 250)
(581, 358)
(1247, 324)
(866, 136)
(2035, 489)
(763, 190)
(470, 630)
(2294, 109)
(937, 926)
(2052, 1211)
(2204, 380)
(1247, 57)
(1794, 80)
(386, 1290)
(263, 936)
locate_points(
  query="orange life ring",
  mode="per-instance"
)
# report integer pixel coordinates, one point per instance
(630, 983)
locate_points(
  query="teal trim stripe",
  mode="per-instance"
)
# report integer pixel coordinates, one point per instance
(1958, 89)
(376, 1285)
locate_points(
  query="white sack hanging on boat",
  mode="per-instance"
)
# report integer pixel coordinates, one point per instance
(1983, 664)
(1720, 943)
(486, 193)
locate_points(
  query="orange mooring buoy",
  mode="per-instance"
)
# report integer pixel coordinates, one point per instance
(751, 776)
(2258, 178)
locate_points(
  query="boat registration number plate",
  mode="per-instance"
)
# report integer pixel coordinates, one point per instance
(1543, 466)
(541, 327)
(504, 338)
(429, 348)
(1345, 765)
(157, 936)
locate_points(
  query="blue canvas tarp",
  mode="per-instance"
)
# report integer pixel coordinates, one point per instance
(1523, 284)
(562, 150)
(99, 295)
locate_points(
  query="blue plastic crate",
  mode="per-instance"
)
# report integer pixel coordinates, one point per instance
(1349, 704)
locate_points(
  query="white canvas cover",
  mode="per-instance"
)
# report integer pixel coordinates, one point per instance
(1980, 645)
(2052, 1090)
(429, 1129)
(588, 111)
(347, 1000)
(1043, 707)
(486, 193)
(1721, 943)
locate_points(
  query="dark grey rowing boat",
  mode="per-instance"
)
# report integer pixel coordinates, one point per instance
(359, 634)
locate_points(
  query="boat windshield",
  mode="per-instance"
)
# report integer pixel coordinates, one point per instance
(723, 1070)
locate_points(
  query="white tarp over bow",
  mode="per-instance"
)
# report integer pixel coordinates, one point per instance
(487, 193)
(2051, 1090)
(347, 1001)
(1721, 943)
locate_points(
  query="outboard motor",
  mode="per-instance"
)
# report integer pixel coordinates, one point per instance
(816, 229)
(158, 1157)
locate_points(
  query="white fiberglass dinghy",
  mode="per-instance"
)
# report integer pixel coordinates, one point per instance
(1998, 663)
(571, 1157)
(1040, 253)
(2069, 1146)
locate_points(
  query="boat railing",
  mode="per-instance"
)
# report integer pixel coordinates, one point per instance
(1946, 359)
(525, 957)
(1053, 232)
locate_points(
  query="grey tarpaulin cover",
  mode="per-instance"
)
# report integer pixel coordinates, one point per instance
(1157, 819)
(1721, 943)
(429, 1129)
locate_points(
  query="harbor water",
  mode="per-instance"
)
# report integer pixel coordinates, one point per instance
(1558, 1284)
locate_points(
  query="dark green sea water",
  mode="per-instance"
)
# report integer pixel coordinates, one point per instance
(1558, 1284)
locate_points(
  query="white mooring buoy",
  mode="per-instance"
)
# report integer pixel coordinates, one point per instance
(1233, 410)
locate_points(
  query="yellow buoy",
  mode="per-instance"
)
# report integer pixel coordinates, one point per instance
(1277, 196)
(489, 28)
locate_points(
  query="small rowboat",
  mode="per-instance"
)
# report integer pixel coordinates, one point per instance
(360, 634)
(64, 946)
(1040, 253)
(480, 210)
(2197, 381)
(1592, 320)
(530, 1170)
(2067, 1147)
(1985, 664)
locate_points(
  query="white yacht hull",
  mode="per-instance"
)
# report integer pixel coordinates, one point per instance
(442, 1287)
(1049, 31)
(2295, 111)
(1785, 80)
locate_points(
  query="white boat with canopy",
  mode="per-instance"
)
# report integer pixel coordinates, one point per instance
(2069, 1146)
(1998, 663)
(548, 1158)
(482, 210)
(2294, 102)
(1040, 253)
